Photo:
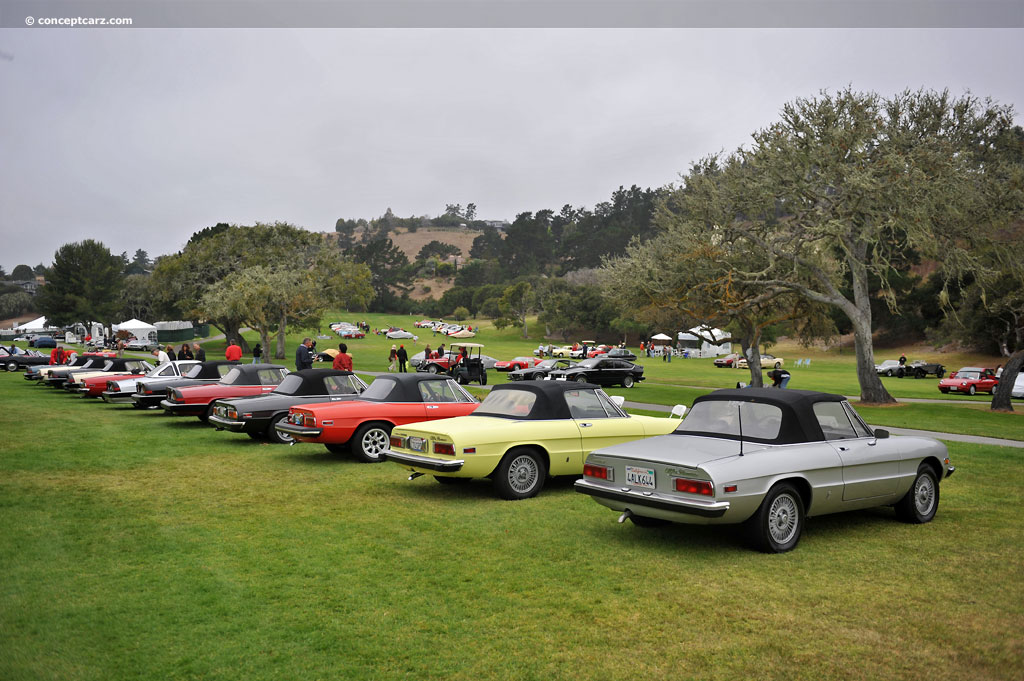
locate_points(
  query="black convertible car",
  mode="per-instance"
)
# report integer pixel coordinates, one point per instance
(149, 392)
(15, 359)
(542, 370)
(257, 415)
(602, 371)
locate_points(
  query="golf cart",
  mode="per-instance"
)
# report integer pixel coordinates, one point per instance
(469, 370)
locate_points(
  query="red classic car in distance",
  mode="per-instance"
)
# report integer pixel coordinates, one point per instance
(365, 423)
(729, 361)
(242, 380)
(516, 363)
(970, 380)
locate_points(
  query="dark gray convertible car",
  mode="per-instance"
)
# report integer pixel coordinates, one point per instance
(767, 458)
(257, 415)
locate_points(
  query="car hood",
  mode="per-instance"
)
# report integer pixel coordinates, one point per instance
(679, 450)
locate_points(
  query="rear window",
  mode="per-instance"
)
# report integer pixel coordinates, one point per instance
(727, 417)
(381, 389)
(515, 403)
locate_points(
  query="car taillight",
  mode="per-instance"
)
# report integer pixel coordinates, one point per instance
(308, 420)
(396, 441)
(175, 396)
(694, 487)
(113, 387)
(444, 448)
(594, 471)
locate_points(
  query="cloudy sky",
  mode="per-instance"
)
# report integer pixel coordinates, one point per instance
(138, 138)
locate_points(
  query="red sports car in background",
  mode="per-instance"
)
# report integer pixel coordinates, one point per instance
(729, 361)
(970, 380)
(517, 363)
(242, 380)
(365, 424)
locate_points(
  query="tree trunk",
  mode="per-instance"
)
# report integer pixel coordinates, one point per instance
(871, 389)
(265, 341)
(279, 351)
(1002, 394)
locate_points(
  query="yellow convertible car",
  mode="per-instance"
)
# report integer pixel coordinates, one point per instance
(522, 433)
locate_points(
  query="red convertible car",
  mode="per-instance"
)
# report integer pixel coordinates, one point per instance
(517, 363)
(970, 380)
(365, 423)
(242, 380)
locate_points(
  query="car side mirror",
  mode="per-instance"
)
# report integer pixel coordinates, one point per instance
(881, 433)
(679, 410)
(617, 400)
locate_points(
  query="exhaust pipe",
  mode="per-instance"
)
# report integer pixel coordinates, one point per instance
(625, 514)
(414, 476)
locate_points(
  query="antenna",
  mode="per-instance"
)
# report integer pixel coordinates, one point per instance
(739, 413)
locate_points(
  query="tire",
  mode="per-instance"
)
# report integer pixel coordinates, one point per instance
(644, 521)
(205, 416)
(971, 390)
(337, 449)
(779, 521)
(581, 379)
(276, 436)
(460, 380)
(627, 382)
(12, 366)
(901, 372)
(370, 440)
(445, 480)
(919, 373)
(433, 369)
(921, 501)
(520, 475)
(778, 365)
(940, 373)
(944, 391)
(483, 378)
(888, 373)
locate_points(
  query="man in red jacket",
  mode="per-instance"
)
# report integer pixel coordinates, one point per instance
(57, 355)
(233, 352)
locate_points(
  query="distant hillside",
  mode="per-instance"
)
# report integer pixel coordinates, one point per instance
(412, 242)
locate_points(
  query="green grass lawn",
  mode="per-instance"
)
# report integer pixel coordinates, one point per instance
(141, 546)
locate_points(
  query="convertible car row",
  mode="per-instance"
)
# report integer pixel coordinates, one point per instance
(761, 458)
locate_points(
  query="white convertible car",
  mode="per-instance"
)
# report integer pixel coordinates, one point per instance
(767, 458)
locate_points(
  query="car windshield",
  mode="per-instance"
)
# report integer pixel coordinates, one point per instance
(516, 403)
(548, 364)
(726, 417)
(968, 375)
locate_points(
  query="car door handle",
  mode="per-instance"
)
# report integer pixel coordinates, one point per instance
(843, 449)
(431, 406)
(586, 425)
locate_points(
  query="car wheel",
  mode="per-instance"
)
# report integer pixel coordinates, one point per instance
(779, 521)
(446, 480)
(627, 382)
(888, 373)
(337, 449)
(919, 373)
(205, 416)
(921, 501)
(520, 475)
(900, 373)
(370, 441)
(940, 373)
(12, 366)
(944, 391)
(433, 368)
(581, 379)
(483, 378)
(778, 365)
(971, 390)
(644, 521)
(274, 435)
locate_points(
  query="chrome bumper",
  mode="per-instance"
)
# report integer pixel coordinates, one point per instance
(222, 423)
(950, 470)
(636, 497)
(300, 431)
(427, 462)
(182, 408)
(117, 398)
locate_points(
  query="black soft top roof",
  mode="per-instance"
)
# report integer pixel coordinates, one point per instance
(404, 387)
(550, 402)
(799, 424)
(311, 381)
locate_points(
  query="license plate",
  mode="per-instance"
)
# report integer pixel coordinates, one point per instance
(417, 444)
(640, 477)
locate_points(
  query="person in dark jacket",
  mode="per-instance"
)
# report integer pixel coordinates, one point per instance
(403, 357)
(170, 353)
(257, 353)
(198, 352)
(185, 352)
(304, 355)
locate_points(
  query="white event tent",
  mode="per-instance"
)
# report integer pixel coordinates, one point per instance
(137, 328)
(696, 340)
(35, 326)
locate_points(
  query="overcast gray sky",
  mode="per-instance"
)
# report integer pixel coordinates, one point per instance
(138, 138)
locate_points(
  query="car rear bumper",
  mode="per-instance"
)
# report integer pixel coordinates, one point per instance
(635, 498)
(950, 470)
(117, 397)
(416, 461)
(299, 431)
(182, 408)
(224, 423)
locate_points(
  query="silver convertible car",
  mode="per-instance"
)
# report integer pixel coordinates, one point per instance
(767, 458)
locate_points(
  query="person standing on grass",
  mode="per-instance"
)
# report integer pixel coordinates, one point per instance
(170, 353)
(304, 355)
(233, 353)
(403, 357)
(185, 352)
(343, 360)
(392, 358)
(198, 352)
(257, 352)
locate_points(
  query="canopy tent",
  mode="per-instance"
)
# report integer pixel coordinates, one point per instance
(699, 339)
(661, 337)
(35, 326)
(137, 328)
